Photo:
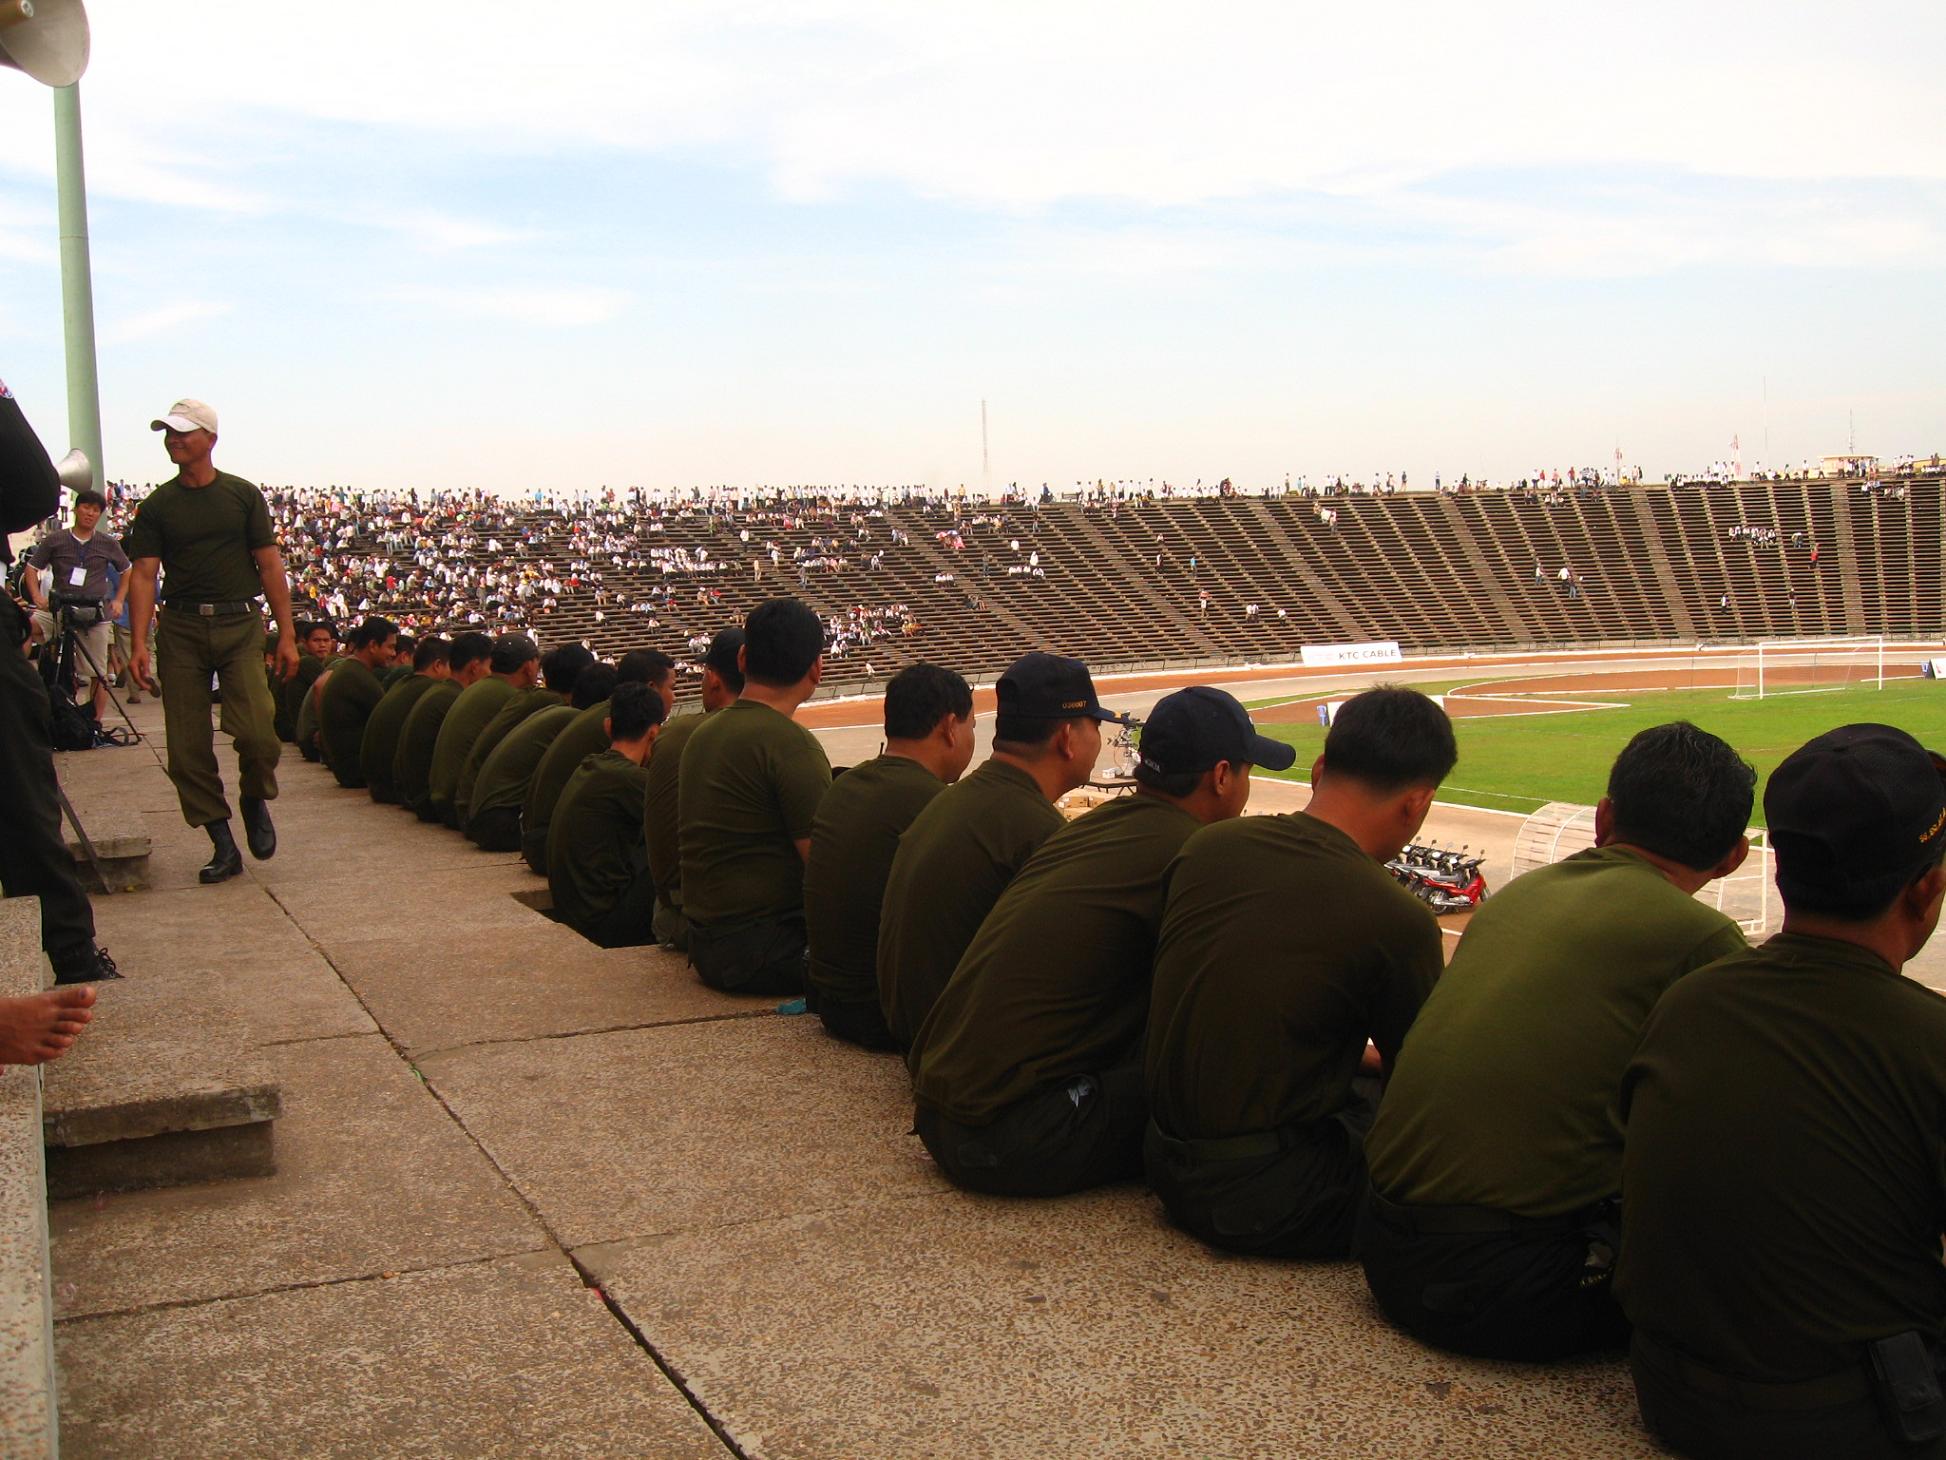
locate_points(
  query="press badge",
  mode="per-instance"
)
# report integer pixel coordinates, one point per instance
(77, 577)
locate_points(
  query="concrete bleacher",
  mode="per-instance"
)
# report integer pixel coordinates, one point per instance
(1432, 571)
(28, 1420)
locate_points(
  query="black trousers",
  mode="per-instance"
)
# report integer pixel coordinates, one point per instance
(1707, 1416)
(762, 956)
(1495, 1285)
(1293, 1192)
(626, 924)
(497, 830)
(34, 860)
(1082, 1133)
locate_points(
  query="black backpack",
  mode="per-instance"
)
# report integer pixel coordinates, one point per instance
(72, 728)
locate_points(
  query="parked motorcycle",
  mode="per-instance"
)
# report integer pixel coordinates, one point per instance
(1445, 879)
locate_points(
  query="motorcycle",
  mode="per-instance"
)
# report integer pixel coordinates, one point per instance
(1445, 879)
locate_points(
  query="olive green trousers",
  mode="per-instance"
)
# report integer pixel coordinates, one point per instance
(189, 648)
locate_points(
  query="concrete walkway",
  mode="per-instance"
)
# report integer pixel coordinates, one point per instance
(540, 1199)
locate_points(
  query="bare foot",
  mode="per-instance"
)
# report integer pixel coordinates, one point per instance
(42, 1027)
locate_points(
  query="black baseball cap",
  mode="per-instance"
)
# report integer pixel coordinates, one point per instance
(1041, 686)
(1858, 812)
(1192, 729)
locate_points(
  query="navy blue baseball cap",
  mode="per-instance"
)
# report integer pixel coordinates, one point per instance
(1192, 729)
(1860, 809)
(1040, 686)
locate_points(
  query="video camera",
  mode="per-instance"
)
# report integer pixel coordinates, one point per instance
(78, 608)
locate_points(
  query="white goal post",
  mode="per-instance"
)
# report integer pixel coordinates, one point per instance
(1810, 666)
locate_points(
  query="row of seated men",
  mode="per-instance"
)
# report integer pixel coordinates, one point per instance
(1251, 1014)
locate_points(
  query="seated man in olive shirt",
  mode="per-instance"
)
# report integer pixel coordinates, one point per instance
(419, 737)
(493, 810)
(317, 646)
(746, 796)
(597, 865)
(580, 738)
(1285, 947)
(1783, 1119)
(928, 743)
(378, 747)
(560, 668)
(965, 847)
(348, 692)
(1496, 1159)
(722, 684)
(1028, 1072)
(513, 667)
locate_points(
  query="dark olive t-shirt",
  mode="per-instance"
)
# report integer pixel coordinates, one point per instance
(857, 830)
(1504, 1095)
(503, 780)
(524, 702)
(949, 870)
(205, 537)
(290, 694)
(306, 728)
(582, 737)
(1283, 949)
(378, 748)
(659, 807)
(478, 703)
(1784, 1175)
(747, 792)
(594, 843)
(412, 770)
(345, 702)
(1056, 982)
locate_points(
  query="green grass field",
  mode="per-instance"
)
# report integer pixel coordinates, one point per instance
(1520, 762)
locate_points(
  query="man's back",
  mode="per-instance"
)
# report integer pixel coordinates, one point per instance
(951, 866)
(580, 738)
(1283, 948)
(478, 703)
(378, 747)
(1786, 1189)
(594, 844)
(1504, 1095)
(853, 840)
(515, 709)
(1056, 981)
(503, 779)
(345, 702)
(659, 808)
(412, 771)
(748, 790)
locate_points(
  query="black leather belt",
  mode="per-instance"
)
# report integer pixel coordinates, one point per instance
(209, 610)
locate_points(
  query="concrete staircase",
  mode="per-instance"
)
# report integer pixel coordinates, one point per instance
(28, 1423)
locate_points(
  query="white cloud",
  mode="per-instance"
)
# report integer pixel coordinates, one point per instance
(563, 307)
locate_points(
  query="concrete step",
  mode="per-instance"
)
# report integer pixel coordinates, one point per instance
(27, 1406)
(124, 858)
(163, 1092)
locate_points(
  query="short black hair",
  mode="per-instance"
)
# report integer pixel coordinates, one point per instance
(432, 651)
(89, 497)
(406, 647)
(374, 630)
(632, 710)
(563, 665)
(1681, 793)
(1025, 734)
(782, 639)
(469, 648)
(721, 656)
(1173, 783)
(593, 685)
(643, 666)
(510, 651)
(1803, 890)
(306, 628)
(1390, 738)
(919, 695)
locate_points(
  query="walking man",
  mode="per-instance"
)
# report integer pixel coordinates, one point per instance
(209, 534)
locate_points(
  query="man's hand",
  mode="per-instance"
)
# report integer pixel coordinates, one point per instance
(286, 657)
(138, 664)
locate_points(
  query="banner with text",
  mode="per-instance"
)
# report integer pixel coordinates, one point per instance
(1385, 652)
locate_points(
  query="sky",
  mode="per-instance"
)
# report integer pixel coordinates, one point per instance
(445, 245)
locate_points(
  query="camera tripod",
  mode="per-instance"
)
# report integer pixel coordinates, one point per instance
(60, 669)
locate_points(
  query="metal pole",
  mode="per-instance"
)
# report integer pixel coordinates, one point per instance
(77, 285)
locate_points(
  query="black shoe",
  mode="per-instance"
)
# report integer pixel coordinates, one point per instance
(227, 860)
(257, 830)
(93, 966)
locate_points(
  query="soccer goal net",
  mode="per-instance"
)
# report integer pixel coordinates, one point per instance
(1810, 666)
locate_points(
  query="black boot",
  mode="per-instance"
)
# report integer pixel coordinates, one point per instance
(227, 861)
(257, 830)
(88, 965)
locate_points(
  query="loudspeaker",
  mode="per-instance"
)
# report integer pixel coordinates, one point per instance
(76, 472)
(48, 39)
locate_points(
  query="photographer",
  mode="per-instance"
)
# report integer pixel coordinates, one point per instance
(34, 861)
(78, 561)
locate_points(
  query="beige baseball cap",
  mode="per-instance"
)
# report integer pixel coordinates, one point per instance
(187, 415)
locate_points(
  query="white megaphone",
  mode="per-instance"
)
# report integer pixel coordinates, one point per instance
(76, 472)
(48, 39)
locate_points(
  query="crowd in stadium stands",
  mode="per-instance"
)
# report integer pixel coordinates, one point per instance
(1120, 996)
